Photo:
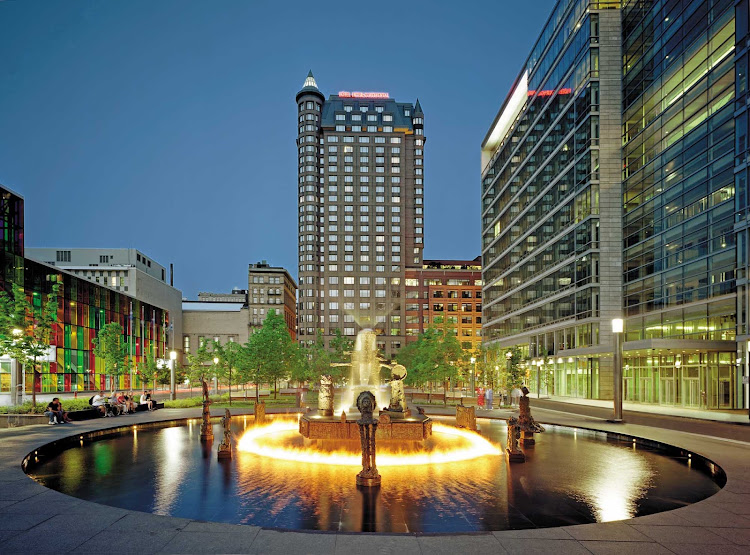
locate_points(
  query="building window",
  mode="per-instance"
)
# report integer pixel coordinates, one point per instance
(63, 256)
(186, 343)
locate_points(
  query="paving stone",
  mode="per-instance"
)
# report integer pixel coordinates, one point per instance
(135, 541)
(534, 533)
(737, 508)
(376, 544)
(534, 547)
(49, 501)
(22, 521)
(740, 536)
(723, 519)
(201, 526)
(706, 549)
(624, 548)
(285, 543)
(6, 535)
(36, 541)
(148, 522)
(437, 545)
(667, 518)
(606, 531)
(681, 534)
(19, 490)
(212, 542)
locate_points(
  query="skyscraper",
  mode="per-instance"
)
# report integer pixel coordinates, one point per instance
(608, 190)
(361, 220)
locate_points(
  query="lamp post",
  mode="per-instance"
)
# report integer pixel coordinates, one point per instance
(172, 377)
(216, 379)
(473, 373)
(617, 328)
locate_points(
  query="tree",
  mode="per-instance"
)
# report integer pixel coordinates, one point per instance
(232, 357)
(197, 362)
(272, 351)
(148, 369)
(110, 345)
(341, 348)
(25, 330)
(433, 357)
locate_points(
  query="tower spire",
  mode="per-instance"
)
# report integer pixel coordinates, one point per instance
(310, 81)
(418, 108)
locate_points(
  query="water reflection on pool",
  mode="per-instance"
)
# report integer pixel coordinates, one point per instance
(569, 478)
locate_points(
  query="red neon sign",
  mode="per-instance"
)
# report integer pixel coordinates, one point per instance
(550, 92)
(357, 94)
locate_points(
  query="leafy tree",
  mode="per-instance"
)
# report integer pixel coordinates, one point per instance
(433, 357)
(233, 357)
(340, 349)
(198, 362)
(148, 370)
(272, 351)
(25, 331)
(110, 345)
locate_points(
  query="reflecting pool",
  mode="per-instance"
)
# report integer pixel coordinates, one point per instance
(570, 477)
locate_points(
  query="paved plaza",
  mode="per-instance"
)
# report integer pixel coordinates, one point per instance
(35, 519)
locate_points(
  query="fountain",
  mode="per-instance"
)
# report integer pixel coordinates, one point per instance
(396, 420)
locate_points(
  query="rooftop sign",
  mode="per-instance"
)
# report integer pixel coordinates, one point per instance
(357, 94)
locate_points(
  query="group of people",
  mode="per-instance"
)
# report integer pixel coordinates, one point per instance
(120, 403)
(114, 405)
(485, 397)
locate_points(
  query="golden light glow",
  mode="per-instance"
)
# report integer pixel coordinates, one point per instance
(448, 444)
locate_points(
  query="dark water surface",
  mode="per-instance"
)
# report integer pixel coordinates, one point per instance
(569, 478)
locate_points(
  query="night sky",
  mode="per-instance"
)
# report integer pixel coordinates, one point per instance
(170, 126)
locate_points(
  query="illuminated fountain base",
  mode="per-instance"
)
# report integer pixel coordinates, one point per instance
(280, 440)
(392, 426)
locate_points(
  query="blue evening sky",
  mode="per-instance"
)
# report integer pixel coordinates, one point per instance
(170, 125)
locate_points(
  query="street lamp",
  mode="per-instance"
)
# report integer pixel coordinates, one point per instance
(172, 377)
(617, 328)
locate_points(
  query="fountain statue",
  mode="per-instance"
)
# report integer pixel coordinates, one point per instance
(225, 447)
(368, 427)
(526, 422)
(466, 417)
(513, 451)
(398, 399)
(325, 397)
(207, 430)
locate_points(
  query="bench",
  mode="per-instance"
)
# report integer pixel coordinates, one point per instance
(84, 414)
(141, 408)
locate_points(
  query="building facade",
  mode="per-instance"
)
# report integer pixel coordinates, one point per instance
(271, 288)
(446, 291)
(610, 189)
(126, 270)
(219, 321)
(361, 220)
(84, 307)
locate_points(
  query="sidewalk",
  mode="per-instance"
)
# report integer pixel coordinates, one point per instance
(738, 415)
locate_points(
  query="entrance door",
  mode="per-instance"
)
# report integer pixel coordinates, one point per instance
(691, 397)
(645, 390)
(667, 391)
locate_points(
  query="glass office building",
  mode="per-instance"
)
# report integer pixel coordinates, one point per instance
(83, 308)
(638, 220)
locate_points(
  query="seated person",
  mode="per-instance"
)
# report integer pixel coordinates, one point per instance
(56, 413)
(99, 402)
(146, 400)
(120, 399)
(129, 402)
(115, 405)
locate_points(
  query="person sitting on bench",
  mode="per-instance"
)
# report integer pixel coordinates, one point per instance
(99, 402)
(146, 400)
(56, 413)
